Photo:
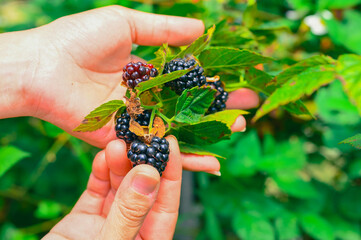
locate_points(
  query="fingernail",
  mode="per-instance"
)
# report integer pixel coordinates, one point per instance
(216, 173)
(144, 184)
(243, 130)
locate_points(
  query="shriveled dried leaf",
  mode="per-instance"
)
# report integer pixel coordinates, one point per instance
(158, 127)
(136, 128)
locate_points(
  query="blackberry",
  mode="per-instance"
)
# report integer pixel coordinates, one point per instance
(135, 73)
(219, 103)
(192, 79)
(156, 154)
(122, 125)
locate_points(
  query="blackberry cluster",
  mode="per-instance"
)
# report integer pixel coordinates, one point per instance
(135, 73)
(122, 125)
(219, 103)
(192, 79)
(156, 155)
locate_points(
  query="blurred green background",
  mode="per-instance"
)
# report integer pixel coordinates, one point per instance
(286, 177)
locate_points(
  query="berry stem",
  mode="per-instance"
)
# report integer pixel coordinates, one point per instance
(151, 120)
(165, 118)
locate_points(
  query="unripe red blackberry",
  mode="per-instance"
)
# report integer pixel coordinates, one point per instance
(135, 73)
(122, 125)
(192, 79)
(219, 103)
(156, 154)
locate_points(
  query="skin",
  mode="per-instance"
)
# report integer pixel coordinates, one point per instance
(60, 72)
(110, 208)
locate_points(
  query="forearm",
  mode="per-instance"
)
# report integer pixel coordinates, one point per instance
(18, 61)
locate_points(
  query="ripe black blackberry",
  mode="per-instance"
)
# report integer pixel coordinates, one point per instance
(122, 125)
(135, 73)
(219, 103)
(192, 79)
(156, 154)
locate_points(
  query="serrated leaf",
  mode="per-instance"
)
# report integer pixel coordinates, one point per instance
(301, 66)
(317, 227)
(303, 84)
(202, 133)
(9, 156)
(224, 57)
(230, 35)
(198, 45)
(354, 141)
(349, 69)
(260, 81)
(161, 80)
(158, 127)
(162, 54)
(227, 116)
(193, 104)
(100, 116)
(198, 150)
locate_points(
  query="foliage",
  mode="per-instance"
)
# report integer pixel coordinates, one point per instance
(287, 177)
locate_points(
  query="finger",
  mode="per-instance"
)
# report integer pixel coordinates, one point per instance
(242, 99)
(134, 199)
(199, 163)
(161, 220)
(92, 200)
(153, 29)
(239, 125)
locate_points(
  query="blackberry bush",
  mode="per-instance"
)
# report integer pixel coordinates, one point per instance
(135, 73)
(156, 154)
(219, 103)
(122, 125)
(192, 79)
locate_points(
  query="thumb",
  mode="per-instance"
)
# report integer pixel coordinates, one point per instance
(132, 202)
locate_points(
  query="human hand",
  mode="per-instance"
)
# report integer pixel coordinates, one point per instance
(78, 63)
(125, 203)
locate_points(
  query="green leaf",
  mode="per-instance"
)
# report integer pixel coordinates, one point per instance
(334, 107)
(250, 226)
(349, 69)
(249, 14)
(198, 150)
(202, 132)
(345, 230)
(213, 225)
(231, 35)
(302, 66)
(349, 203)
(9, 156)
(354, 141)
(254, 201)
(338, 29)
(292, 184)
(288, 155)
(336, 4)
(48, 210)
(198, 45)
(262, 82)
(224, 57)
(317, 227)
(244, 161)
(227, 116)
(161, 79)
(162, 53)
(100, 116)
(193, 104)
(302, 84)
(287, 226)
(355, 169)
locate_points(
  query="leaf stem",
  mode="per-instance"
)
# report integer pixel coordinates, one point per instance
(151, 120)
(165, 118)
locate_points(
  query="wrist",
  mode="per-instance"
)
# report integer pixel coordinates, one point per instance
(18, 60)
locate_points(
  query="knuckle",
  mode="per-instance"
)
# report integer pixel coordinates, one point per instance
(132, 213)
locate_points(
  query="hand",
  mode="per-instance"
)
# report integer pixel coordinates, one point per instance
(76, 65)
(119, 204)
